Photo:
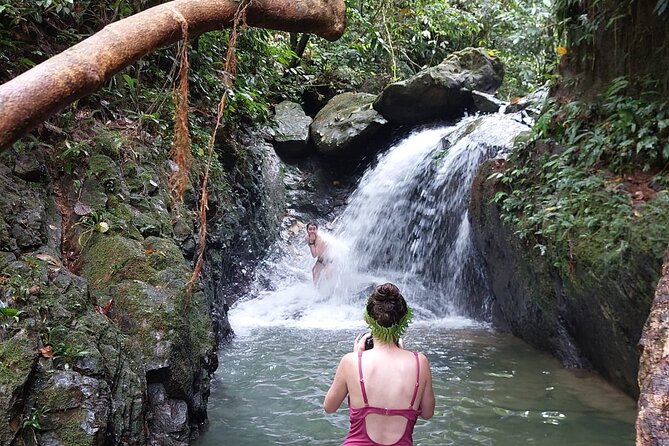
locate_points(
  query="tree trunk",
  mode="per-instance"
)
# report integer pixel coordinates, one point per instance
(652, 424)
(299, 50)
(37, 94)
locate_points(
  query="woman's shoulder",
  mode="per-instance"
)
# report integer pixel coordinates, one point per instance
(421, 357)
(349, 358)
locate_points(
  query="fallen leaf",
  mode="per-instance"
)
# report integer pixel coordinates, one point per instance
(51, 260)
(104, 310)
(46, 351)
(82, 209)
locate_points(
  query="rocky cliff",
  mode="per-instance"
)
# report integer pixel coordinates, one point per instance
(99, 342)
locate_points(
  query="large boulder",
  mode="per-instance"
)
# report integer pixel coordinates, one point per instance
(291, 130)
(442, 91)
(345, 124)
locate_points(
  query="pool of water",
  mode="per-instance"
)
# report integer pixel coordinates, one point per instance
(491, 389)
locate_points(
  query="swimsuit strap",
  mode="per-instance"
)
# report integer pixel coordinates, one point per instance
(415, 390)
(362, 381)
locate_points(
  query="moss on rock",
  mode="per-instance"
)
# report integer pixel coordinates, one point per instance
(111, 259)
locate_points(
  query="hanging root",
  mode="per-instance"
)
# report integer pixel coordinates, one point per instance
(230, 73)
(181, 149)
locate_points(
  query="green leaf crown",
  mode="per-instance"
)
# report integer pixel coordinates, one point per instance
(390, 334)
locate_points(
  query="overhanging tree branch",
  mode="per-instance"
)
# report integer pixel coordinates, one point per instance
(37, 94)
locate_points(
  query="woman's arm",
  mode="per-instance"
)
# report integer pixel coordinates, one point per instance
(338, 389)
(313, 247)
(317, 247)
(427, 401)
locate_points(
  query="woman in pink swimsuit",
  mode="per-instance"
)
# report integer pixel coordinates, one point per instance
(388, 387)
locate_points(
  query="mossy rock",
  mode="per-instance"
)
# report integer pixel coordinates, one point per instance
(146, 225)
(18, 359)
(165, 254)
(121, 217)
(108, 142)
(142, 180)
(141, 309)
(112, 259)
(75, 408)
(4, 237)
(200, 325)
(64, 295)
(153, 211)
(105, 170)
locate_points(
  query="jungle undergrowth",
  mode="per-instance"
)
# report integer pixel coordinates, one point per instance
(592, 184)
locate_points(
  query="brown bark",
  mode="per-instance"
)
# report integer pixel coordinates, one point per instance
(652, 424)
(37, 94)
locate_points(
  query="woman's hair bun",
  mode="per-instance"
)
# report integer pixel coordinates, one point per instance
(387, 291)
(386, 305)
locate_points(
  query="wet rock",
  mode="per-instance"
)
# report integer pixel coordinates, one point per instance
(28, 229)
(486, 103)
(442, 91)
(6, 257)
(18, 357)
(531, 104)
(291, 133)
(78, 408)
(571, 317)
(345, 124)
(30, 167)
(168, 417)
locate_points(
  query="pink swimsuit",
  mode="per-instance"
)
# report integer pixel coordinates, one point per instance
(357, 435)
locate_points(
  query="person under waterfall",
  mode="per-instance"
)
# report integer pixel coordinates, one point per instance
(388, 387)
(318, 248)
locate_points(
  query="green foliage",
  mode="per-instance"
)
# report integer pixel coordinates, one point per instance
(394, 39)
(74, 154)
(385, 40)
(15, 287)
(63, 350)
(9, 317)
(629, 133)
(573, 190)
(95, 221)
(31, 423)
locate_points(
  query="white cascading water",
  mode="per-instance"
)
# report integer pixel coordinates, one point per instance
(406, 223)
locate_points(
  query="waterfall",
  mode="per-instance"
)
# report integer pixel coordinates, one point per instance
(406, 223)
(408, 218)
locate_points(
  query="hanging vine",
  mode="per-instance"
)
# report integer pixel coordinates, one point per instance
(230, 71)
(181, 153)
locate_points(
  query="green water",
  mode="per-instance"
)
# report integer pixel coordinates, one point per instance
(491, 389)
